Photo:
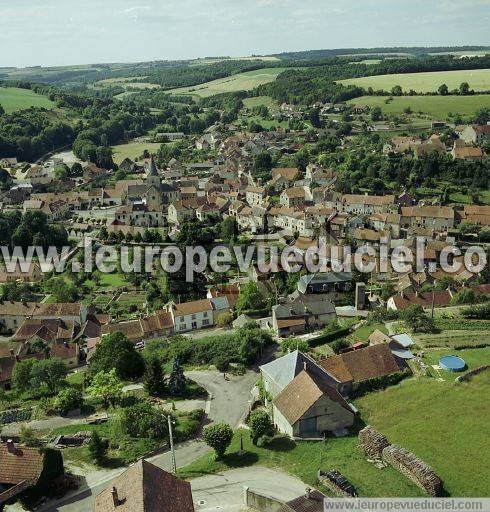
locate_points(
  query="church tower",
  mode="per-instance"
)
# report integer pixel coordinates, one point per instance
(153, 178)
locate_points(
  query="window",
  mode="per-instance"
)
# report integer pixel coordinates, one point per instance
(205, 314)
(193, 317)
(205, 322)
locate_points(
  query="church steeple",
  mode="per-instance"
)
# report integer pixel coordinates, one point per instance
(153, 171)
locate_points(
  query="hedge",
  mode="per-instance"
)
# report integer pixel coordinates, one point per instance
(329, 336)
(380, 383)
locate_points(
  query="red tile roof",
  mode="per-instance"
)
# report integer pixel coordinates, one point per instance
(20, 463)
(145, 488)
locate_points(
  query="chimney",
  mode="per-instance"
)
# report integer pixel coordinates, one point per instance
(12, 353)
(115, 497)
(11, 447)
(304, 366)
(307, 493)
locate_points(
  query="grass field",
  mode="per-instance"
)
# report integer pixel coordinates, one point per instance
(133, 150)
(302, 459)
(258, 101)
(479, 80)
(444, 423)
(474, 358)
(13, 99)
(240, 82)
(437, 106)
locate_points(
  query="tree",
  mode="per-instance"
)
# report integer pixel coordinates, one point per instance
(443, 90)
(2, 110)
(116, 352)
(21, 374)
(141, 420)
(464, 88)
(48, 372)
(154, 378)
(228, 230)
(28, 437)
(416, 319)
(376, 114)
(292, 344)
(62, 288)
(315, 118)
(249, 298)
(260, 425)
(106, 386)
(397, 90)
(218, 437)
(97, 447)
(262, 164)
(68, 399)
(177, 384)
(464, 296)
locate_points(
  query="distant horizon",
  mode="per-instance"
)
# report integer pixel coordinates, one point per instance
(62, 32)
(257, 55)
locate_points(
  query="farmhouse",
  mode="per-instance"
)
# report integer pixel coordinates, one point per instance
(476, 134)
(305, 399)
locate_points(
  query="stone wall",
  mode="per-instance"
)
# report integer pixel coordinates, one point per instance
(414, 468)
(372, 442)
(260, 502)
(468, 376)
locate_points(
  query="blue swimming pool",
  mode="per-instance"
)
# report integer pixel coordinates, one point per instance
(452, 363)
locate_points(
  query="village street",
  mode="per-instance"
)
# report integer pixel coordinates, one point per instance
(228, 402)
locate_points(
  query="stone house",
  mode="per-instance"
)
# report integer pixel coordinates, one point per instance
(304, 398)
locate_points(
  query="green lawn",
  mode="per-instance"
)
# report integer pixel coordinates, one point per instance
(444, 423)
(362, 334)
(133, 150)
(257, 101)
(474, 358)
(302, 459)
(13, 99)
(437, 106)
(479, 80)
(113, 280)
(239, 82)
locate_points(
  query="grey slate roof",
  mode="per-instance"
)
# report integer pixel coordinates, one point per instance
(323, 278)
(284, 369)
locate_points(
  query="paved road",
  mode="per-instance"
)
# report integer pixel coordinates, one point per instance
(229, 401)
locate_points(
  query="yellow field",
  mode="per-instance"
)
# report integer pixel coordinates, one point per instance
(479, 80)
(240, 82)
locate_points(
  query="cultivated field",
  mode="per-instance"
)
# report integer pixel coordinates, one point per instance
(133, 150)
(13, 99)
(240, 82)
(444, 423)
(437, 106)
(127, 83)
(479, 80)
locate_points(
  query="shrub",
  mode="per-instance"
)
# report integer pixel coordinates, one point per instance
(97, 447)
(260, 425)
(144, 421)
(478, 312)
(464, 296)
(292, 344)
(67, 400)
(339, 345)
(28, 437)
(218, 437)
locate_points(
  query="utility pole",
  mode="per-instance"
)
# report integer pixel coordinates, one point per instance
(172, 449)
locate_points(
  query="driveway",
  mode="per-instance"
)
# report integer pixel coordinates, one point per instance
(224, 491)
